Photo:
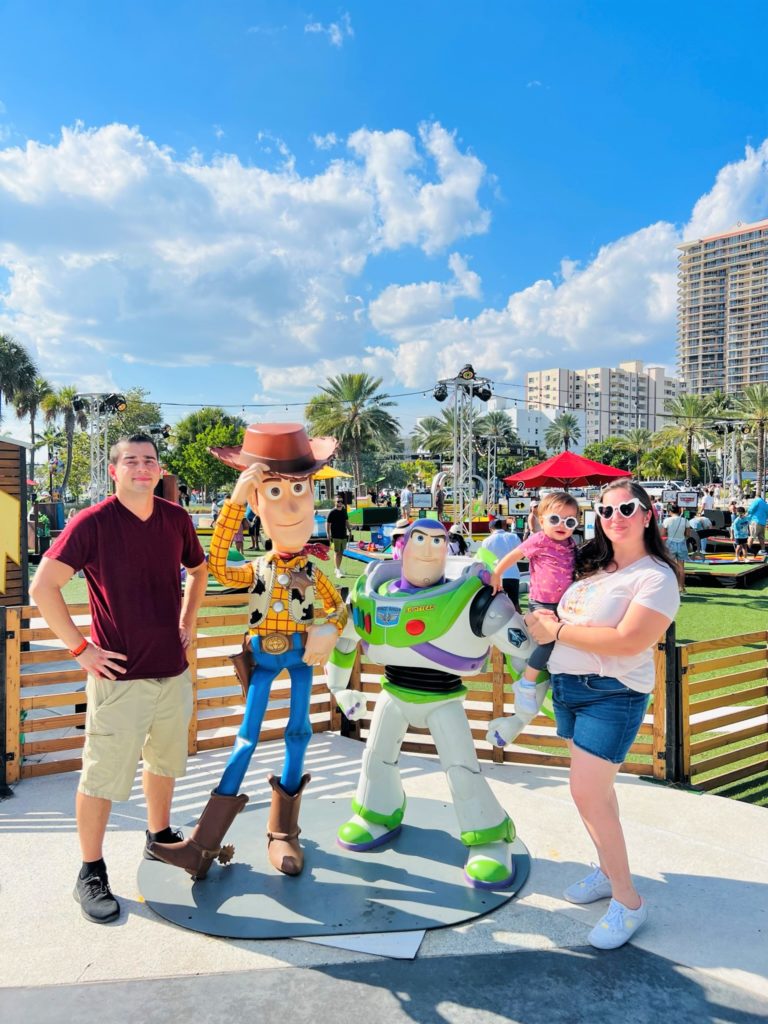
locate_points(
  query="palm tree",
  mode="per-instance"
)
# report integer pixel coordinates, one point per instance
(498, 425)
(432, 435)
(692, 416)
(62, 403)
(665, 462)
(28, 402)
(564, 429)
(351, 410)
(636, 442)
(752, 407)
(17, 370)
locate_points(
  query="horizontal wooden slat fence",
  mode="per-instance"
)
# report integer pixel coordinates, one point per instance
(46, 700)
(724, 700)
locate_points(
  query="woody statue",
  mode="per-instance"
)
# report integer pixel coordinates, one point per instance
(277, 460)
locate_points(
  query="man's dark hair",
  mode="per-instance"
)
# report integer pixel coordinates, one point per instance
(114, 451)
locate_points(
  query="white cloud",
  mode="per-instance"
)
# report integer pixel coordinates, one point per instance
(337, 31)
(117, 248)
(403, 308)
(620, 304)
(432, 215)
(533, 84)
(327, 141)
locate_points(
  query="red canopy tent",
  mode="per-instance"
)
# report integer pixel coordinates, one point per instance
(566, 470)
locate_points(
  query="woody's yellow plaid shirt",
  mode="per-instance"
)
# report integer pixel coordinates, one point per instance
(227, 524)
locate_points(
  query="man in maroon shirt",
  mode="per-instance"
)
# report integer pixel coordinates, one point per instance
(130, 548)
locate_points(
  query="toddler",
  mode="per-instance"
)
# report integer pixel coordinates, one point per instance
(740, 533)
(551, 555)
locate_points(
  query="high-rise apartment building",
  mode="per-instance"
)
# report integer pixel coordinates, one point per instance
(723, 310)
(614, 399)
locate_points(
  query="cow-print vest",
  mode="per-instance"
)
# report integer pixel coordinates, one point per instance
(297, 595)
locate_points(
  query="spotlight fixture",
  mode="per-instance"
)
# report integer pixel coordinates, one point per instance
(482, 391)
(114, 403)
(440, 393)
(467, 372)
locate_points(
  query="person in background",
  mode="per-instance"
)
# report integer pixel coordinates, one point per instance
(239, 539)
(757, 513)
(740, 533)
(707, 500)
(406, 500)
(338, 531)
(139, 692)
(398, 535)
(674, 527)
(500, 542)
(440, 502)
(605, 629)
(457, 545)
(699, 524)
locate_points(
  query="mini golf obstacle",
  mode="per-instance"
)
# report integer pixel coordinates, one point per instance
(414, 882)
(720, 570)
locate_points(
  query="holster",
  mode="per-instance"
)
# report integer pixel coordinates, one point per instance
(244, 663)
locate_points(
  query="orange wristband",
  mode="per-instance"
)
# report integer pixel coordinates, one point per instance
(79, 649)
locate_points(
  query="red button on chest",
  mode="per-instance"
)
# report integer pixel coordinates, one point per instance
(415, 627)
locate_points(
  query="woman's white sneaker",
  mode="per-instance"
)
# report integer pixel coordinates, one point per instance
(596, 886)
(617, 925)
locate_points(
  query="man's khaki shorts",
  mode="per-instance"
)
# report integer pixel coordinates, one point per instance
(339, 544)
(128, 719)
(757, 532)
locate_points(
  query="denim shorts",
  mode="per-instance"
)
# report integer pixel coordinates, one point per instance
(600, 714)
(678, 549)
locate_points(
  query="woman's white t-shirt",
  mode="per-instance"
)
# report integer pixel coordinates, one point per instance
(603, 600)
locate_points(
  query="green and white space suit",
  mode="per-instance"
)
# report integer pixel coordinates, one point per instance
(427, 639)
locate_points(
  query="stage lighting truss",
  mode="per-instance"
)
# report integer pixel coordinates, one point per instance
(100, 407)
(465, 387)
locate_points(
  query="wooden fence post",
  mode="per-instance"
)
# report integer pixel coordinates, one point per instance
(10, 671)
(192, 661)
(674, 710)
(659, 762)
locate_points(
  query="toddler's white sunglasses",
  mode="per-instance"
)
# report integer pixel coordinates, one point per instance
(569, 522)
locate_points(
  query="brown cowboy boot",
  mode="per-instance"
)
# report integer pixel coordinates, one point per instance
(283, 830)
(196, 853)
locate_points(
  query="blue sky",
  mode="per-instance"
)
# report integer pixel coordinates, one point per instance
(228, 203)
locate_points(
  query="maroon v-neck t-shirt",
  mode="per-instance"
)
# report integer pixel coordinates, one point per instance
(133, 570)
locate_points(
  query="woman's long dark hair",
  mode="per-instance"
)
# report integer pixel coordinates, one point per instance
(597, 554)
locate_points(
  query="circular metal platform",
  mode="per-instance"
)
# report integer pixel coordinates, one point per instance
(415, 882)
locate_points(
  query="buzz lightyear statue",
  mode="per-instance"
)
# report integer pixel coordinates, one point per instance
(428, 632)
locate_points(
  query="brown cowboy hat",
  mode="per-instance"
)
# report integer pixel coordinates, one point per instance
(283, 448)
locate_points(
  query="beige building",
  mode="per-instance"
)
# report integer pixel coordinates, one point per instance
(723, 310)
(614, 399)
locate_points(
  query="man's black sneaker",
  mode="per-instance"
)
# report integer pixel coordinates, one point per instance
(168, 835)
(95, 898)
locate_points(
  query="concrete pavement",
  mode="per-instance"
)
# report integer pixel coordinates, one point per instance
(700, 861)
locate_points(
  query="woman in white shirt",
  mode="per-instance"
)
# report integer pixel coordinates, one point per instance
(607, 622)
